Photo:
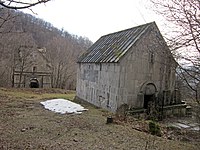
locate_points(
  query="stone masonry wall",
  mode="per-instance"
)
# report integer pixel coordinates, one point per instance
(98, 84)
(147, 61)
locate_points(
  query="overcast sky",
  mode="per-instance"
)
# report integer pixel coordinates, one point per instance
(95, 18)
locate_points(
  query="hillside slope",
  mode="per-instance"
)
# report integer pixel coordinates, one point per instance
(25, 124)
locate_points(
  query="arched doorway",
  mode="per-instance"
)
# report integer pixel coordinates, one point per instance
(34, 83)
(149, 91)
(149, 95)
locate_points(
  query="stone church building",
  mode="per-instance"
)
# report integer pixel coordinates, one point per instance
(32, 69)
(132, 67)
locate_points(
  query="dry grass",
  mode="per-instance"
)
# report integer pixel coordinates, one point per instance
(24, 124)
(37, 94)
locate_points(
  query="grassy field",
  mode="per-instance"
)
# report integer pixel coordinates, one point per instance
(25, 124)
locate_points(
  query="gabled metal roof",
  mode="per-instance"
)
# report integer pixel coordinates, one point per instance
(110, 48)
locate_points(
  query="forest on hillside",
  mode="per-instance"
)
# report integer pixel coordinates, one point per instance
(23, 31)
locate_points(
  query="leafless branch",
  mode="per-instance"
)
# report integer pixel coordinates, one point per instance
(13, 4)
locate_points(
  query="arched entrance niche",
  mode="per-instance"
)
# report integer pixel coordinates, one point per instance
(149, 92)
(34, 83)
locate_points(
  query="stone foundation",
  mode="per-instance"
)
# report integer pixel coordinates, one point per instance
(178, 110)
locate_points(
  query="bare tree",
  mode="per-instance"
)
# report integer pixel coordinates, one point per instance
(21, 4)
(184, 41)
(25, 33)
(63, 56)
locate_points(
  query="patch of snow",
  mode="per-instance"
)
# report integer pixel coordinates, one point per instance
(195, 128)
(182, 125)
(174, 125)
(63, 106)
(193, 124)
(179, 125)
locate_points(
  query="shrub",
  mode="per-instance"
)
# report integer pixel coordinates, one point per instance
(154, 128)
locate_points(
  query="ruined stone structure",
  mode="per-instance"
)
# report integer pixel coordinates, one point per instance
(133, 67)
(32, 69)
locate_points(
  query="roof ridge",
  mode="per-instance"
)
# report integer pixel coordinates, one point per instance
(128, 29)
